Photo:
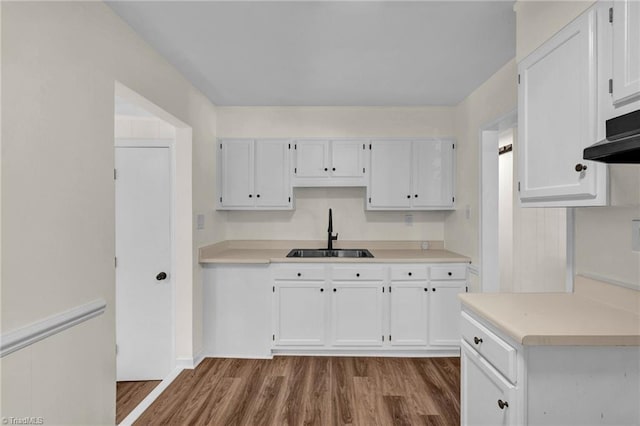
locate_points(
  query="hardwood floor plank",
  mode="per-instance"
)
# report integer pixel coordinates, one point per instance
(312, 391)
(398, 409)
(341, 391)
(130, 394)
(265, 410)
(318, 392)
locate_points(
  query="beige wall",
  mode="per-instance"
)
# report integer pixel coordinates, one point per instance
(603, 234)
(538, 20)
(493, 99)
(351, 221)
(60, 62)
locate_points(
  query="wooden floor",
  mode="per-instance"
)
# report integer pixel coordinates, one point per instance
(312, 391)
(130, 394)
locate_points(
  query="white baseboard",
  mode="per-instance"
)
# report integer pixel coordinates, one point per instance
(189, 363)
(439, 353)
(155, 393)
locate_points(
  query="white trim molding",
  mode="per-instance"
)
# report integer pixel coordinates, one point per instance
(39, 330)
(153, 395)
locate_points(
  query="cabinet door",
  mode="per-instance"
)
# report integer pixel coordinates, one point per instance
(433, 173)
(347, 158)
(444, 313)
(408, 313)
(390, 185)
(626, 50)
(300, 313)
(557, 98)
(357, 314)
(237, 173)
(312, 158)
(481, 389)
(272, 187)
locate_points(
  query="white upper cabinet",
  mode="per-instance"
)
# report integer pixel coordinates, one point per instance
(411, 175)
(347, 158)
(625, 17)
(272, 171)
(236, 167)
(390, 185)
(618, 60)
(254, 174)
(557, 105)
(329, 163)
(433, 173)
(312, 159)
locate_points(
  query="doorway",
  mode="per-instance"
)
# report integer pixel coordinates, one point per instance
(522, 249)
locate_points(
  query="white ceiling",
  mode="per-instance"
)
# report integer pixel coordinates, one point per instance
(329, 53)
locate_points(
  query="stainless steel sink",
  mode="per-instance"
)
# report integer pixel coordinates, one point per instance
(330, 253)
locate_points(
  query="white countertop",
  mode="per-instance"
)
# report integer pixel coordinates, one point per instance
(592, 316)
(256, 252)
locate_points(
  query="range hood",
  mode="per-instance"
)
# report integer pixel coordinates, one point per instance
(622, 145)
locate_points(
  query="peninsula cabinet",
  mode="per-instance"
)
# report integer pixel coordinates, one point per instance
(557, 119)
(254, 175)
(506, 383)
(411, 175)
(339, 162)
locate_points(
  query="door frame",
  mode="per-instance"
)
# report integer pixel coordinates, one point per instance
(170, 144)
(486, 226)
(183, 265)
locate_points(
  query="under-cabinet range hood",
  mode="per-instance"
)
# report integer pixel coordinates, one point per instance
(622, 145)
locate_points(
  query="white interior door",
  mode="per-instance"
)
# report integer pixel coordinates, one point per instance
(143, 251)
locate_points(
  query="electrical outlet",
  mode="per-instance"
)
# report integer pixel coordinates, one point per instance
(408, 219)
(425, 245)
(635, 235)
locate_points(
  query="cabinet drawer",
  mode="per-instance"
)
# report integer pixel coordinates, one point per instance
(453, 272)
(409, 273)
(357, 274)
(495, 350)
(301, 273)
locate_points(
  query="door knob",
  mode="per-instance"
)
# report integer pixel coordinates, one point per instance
(161, 276)
(502, 404)
(581, 167)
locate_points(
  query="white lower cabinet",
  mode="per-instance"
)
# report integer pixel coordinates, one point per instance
(356, 313)
(355, 308)
(486, 396)
(300, 308)
(408, 305)
(359, 307)
(444, 309)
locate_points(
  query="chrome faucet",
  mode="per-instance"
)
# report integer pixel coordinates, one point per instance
(331, 238)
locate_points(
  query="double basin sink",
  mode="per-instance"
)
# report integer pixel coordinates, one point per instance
(315, 253)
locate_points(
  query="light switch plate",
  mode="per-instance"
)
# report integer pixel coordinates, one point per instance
(635, 236)
(200, 221)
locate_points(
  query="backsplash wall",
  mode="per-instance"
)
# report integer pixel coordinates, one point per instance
(351, 220)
